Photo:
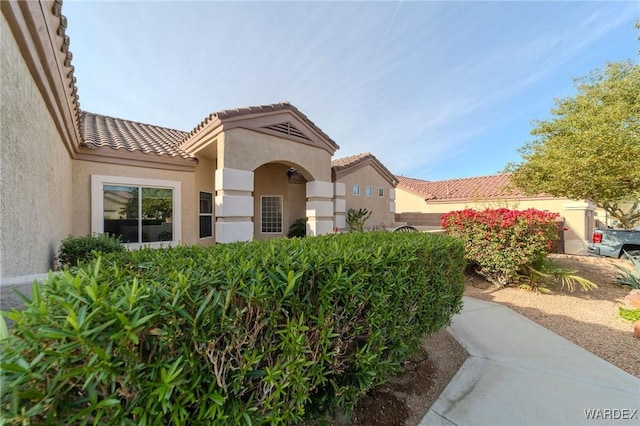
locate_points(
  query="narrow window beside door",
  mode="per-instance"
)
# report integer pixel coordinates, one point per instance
(206, 214)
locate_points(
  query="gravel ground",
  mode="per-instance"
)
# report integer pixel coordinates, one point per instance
(588, 319)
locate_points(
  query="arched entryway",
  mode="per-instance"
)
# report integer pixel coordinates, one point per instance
(279, 198)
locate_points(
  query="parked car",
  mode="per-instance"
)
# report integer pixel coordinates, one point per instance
(616, 243)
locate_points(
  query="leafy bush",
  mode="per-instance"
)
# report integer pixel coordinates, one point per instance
(298, 228)
(632, 315)
(267, 332)
(75, 249)
(502, 241)
(629, 277)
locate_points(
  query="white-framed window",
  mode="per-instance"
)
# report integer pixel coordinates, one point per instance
(380, 192)
(271, 214)
(206, 214)
(369, 191)
(142, 212)
(356, 190)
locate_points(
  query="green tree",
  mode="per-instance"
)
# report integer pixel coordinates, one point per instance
(590, 148)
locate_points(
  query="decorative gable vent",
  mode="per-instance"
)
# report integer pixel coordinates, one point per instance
(288, 129)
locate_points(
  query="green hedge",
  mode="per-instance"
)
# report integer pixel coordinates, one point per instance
(274, 332)
(82, 249)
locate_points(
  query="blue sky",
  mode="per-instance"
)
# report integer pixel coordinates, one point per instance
(435, 90)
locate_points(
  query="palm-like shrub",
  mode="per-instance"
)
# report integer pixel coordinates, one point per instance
(357, 218)
(629, 277)
(298, 228)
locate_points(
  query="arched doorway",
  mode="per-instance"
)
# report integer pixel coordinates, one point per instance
(279, 198)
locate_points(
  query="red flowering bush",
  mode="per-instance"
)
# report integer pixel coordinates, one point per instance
(502, 242)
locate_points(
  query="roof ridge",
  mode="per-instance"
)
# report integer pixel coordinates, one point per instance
(345, 163)
(223, 113)
(256, 109)
(454, 179)
(462, 188)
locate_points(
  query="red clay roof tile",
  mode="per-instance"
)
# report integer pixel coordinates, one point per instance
(479, 187)
(104, 131)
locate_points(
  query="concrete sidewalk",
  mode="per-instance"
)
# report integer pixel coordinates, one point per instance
(520, 373)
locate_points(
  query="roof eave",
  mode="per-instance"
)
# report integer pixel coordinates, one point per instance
(136, 158)
(39, 29)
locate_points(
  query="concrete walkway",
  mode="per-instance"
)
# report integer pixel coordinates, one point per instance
(520, 373)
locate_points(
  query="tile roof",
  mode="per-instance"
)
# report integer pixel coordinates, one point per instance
(104, 131)
(74, 99)
(346, 162)
(261, 109)
(341, 164)
(495, 186)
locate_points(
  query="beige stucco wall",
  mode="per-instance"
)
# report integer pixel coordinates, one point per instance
(247, 150)
(82, 171)
(578, 216)
(379, 206)
(409, 203)
(36, 209)
(272, 179)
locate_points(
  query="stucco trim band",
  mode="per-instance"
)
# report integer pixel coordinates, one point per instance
(319, 209)
(234, 206)
(319, 227)
(580, 206)
(233, 180)
(229, 232)
(319, 189)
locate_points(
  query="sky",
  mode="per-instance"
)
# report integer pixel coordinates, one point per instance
(435, 90)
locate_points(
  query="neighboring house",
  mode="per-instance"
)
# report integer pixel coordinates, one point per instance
(420, 203)
(369, 185)
(239, 175)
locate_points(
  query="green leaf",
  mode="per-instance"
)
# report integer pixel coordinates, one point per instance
(91, 292)
(4, 331)
(108, 403)
(54, 333)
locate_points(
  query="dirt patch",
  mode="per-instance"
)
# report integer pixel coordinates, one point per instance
(406, 398)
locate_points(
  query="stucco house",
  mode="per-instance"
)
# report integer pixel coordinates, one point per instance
(420, 203)
(239, 175)
(369, 185)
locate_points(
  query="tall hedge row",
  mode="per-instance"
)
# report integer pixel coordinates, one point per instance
(246, 333)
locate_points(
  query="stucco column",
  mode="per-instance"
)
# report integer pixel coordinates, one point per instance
(581, 217)
(234, 205)
(339, 205)
(319, 208)
(392, 200)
